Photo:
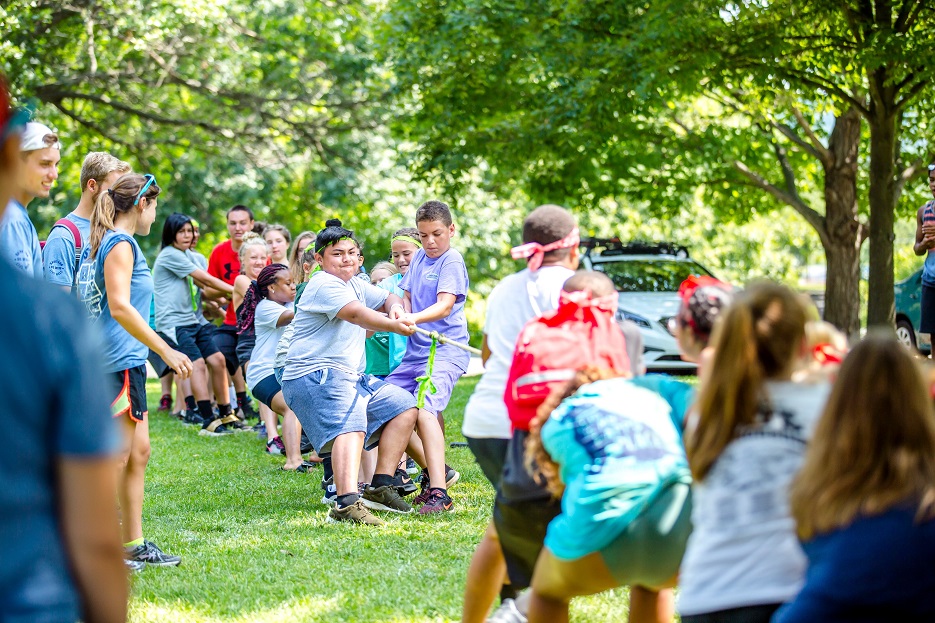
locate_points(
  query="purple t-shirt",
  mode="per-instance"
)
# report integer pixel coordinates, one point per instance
(424, 280)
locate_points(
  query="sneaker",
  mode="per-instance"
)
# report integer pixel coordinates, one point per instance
(214, 428)
(247, 410)
(507, 613)
(192, 417)
(385, 498)
(451, 477)
(437, 502)
(411, 467)
(306, 445)
(260, 430)
(150, 554)
(165, 403)
(331, 492)
(404, 484)
(276, 446)
(234, 423)
(134, 566)
(355, 513)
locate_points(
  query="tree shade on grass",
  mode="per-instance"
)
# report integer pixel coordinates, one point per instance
(255, 545)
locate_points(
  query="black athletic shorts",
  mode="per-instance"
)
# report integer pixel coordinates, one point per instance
(195, 341)
(927, 323)
(490, 454)
(266, 390)
(245, 343)
(127, 391)
(225, 337)
(746, 614)
(521, 513)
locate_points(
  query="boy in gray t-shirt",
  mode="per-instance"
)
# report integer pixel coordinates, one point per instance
(342, 410)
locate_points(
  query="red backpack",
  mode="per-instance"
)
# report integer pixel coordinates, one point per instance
(552, 348)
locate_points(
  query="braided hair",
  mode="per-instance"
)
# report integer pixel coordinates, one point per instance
(701, 308)
(258, 290)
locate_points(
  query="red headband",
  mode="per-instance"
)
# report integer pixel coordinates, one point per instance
(534, 251)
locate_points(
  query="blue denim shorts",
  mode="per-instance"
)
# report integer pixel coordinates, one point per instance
(331, 402)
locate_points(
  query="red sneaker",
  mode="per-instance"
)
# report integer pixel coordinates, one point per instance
(438, 502)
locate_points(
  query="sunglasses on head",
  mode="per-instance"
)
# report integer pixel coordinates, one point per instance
(150, 180)
(931, 168)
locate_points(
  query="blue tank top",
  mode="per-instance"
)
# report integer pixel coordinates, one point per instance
(928, 269)
(119, 349)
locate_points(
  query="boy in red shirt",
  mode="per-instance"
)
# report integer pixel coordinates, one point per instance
(224, 264)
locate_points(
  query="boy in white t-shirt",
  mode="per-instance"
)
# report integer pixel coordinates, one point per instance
(550, 237)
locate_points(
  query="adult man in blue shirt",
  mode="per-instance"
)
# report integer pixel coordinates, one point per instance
(19, 243)
(98, 172)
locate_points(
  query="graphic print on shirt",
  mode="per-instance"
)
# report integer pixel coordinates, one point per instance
(89, 291)
(749, 481)
(605, 437)
(228, 272)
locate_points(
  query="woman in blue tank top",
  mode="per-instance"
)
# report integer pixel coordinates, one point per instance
(116, 286)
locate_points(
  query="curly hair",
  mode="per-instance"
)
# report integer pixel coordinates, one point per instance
(537, 461)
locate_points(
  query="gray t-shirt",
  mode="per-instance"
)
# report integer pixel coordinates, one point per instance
(202, 263)
(321, 339)
(58, 254)
(173, 289)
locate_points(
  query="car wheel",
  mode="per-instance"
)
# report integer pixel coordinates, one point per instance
(905, 334)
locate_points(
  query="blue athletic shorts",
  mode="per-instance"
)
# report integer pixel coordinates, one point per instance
(331, 402)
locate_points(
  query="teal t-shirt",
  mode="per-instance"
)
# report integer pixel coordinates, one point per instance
(397, 342)
(617, 447)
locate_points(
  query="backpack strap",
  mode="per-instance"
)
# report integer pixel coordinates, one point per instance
(76, 236)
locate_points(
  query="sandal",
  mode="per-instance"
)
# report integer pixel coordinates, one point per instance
(304, 468)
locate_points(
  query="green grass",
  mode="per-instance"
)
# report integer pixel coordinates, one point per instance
(255, 545)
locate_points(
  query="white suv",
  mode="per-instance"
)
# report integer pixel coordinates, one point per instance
(647, 276)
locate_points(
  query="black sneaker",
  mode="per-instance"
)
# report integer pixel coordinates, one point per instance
(214, 428)
(150, 554)
(403, 483)
(331, 492)
(134, 566)
(192, 418)
(249, 413)
(306, 446)
(412, 468)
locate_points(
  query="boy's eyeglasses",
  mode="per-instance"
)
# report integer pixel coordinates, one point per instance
(150, 180)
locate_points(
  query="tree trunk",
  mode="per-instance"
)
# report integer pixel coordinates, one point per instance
(880, 306)
(843, 231)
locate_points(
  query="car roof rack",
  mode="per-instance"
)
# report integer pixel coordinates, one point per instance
(608, 247)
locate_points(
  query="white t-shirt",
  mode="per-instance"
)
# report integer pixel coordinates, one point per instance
(516, 300)
(321, 339)
(743, 550)
(265, 317)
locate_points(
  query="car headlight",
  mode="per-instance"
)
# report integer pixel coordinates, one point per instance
(667, 322)
(639, 320)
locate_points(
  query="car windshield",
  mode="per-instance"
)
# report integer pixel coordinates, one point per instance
(656, 275)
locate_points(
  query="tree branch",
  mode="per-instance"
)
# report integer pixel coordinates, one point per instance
(816, 142)
(816, 220)
(911, 93)
(795, 138)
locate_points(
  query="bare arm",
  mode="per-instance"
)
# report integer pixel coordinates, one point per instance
(212, 294)
(241, 283)
(204, 280)
(357, 313)
(88, 519)
(118, 270)
(285, 318)
(925, 237)
(440, 309)
(484, 351)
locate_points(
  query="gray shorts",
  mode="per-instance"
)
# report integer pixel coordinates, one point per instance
(331, 402)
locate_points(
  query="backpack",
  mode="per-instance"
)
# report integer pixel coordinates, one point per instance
(76, 235)
(553, 347)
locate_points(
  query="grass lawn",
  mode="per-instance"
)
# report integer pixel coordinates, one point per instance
(255, 545)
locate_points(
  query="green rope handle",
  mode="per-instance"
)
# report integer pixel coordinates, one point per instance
(426, 386)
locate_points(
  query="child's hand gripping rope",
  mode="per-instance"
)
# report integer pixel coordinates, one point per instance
(426, 386)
